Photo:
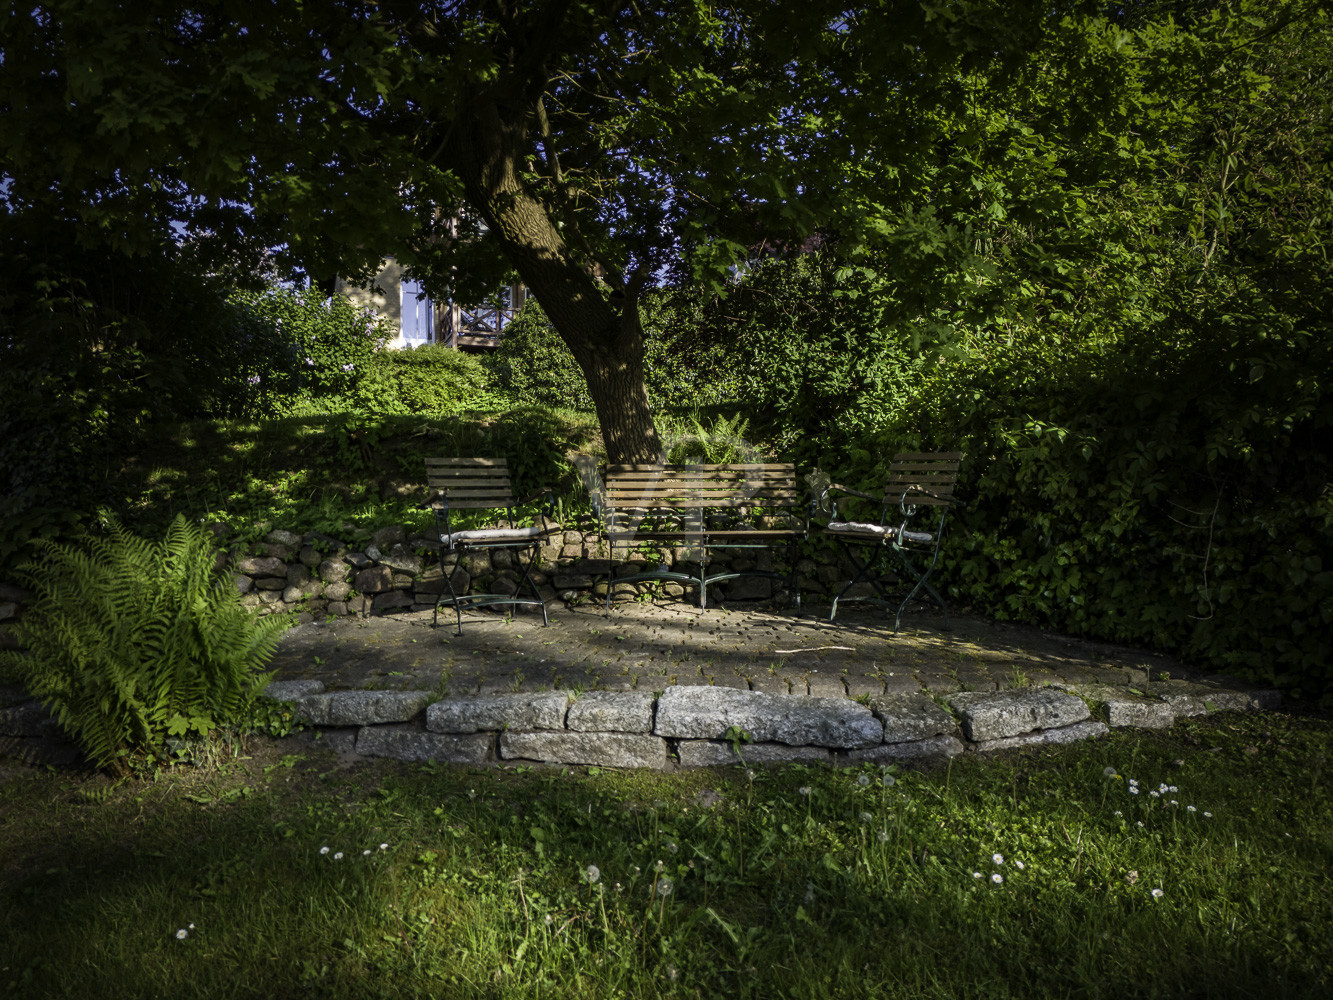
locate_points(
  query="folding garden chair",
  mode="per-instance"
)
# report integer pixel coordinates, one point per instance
(483, 484)
(915, 503)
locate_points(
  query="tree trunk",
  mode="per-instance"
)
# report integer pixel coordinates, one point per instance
(606, 338)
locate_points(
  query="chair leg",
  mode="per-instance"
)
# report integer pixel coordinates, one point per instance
(920, 585)
(527, 575)
(453, 597)
(861, 570)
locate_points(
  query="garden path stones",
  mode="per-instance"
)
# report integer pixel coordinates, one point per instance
(909, 717)
(291, 690)
(498, 711)
(937, 748)
(360, 708)
(612, 712)
(709, 712)
(661, 685)
(403, 743)
(706, 753)
(602, 749)
(994, 715)
(1064, 734)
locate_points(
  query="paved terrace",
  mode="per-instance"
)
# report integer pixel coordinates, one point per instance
(663, 684)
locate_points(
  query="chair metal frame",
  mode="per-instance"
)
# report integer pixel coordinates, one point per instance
(483, 484)
(919, 485)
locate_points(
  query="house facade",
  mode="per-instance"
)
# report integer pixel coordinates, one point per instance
(419, 319)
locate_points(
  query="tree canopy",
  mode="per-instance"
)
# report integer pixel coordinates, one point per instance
(977, 157)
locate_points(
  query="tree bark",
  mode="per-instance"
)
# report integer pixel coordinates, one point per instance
(605, 337)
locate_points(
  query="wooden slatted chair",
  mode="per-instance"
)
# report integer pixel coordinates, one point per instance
(704, 508)
(456, 484)
(916, 500)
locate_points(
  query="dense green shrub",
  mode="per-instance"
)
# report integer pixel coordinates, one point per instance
(130, 641)
(95, 346)
(434, 379)
(794, 340)
(533, 366)
(1155, 492)
(682, 370)
(300, 349)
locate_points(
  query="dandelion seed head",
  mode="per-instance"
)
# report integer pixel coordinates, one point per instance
(863, 780)
(592, 873)
(888, 781)
(1108, 772)
(803, 790)
(883, 836)
(664, 887)
(866, 817)
(671, 846)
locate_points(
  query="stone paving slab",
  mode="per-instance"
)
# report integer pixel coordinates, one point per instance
(660, 685)
(612, 712)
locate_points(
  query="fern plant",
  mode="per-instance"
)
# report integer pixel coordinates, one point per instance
(132, 641)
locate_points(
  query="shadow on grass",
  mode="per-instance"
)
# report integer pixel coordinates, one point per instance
(779, 884)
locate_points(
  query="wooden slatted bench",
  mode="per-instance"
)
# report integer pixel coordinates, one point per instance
(483, 484)
(919, 487)
(704, 508)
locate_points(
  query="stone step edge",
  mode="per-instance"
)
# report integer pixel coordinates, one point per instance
(535, 727)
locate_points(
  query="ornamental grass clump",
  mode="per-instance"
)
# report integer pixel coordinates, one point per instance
(131, 642)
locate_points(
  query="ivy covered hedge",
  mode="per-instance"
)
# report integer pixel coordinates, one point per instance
(1165, 495)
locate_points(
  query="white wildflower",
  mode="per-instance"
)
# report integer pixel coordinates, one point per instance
(997, 878)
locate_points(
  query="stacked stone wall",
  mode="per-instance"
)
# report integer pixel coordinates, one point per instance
(317, 574)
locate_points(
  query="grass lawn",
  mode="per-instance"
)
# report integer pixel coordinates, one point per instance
(269, 871)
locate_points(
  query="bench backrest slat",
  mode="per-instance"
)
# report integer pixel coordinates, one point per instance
(928, 478)
(732, 485)
(471, 483)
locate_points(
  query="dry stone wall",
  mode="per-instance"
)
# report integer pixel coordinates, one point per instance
(317, 574)
(707, 726)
